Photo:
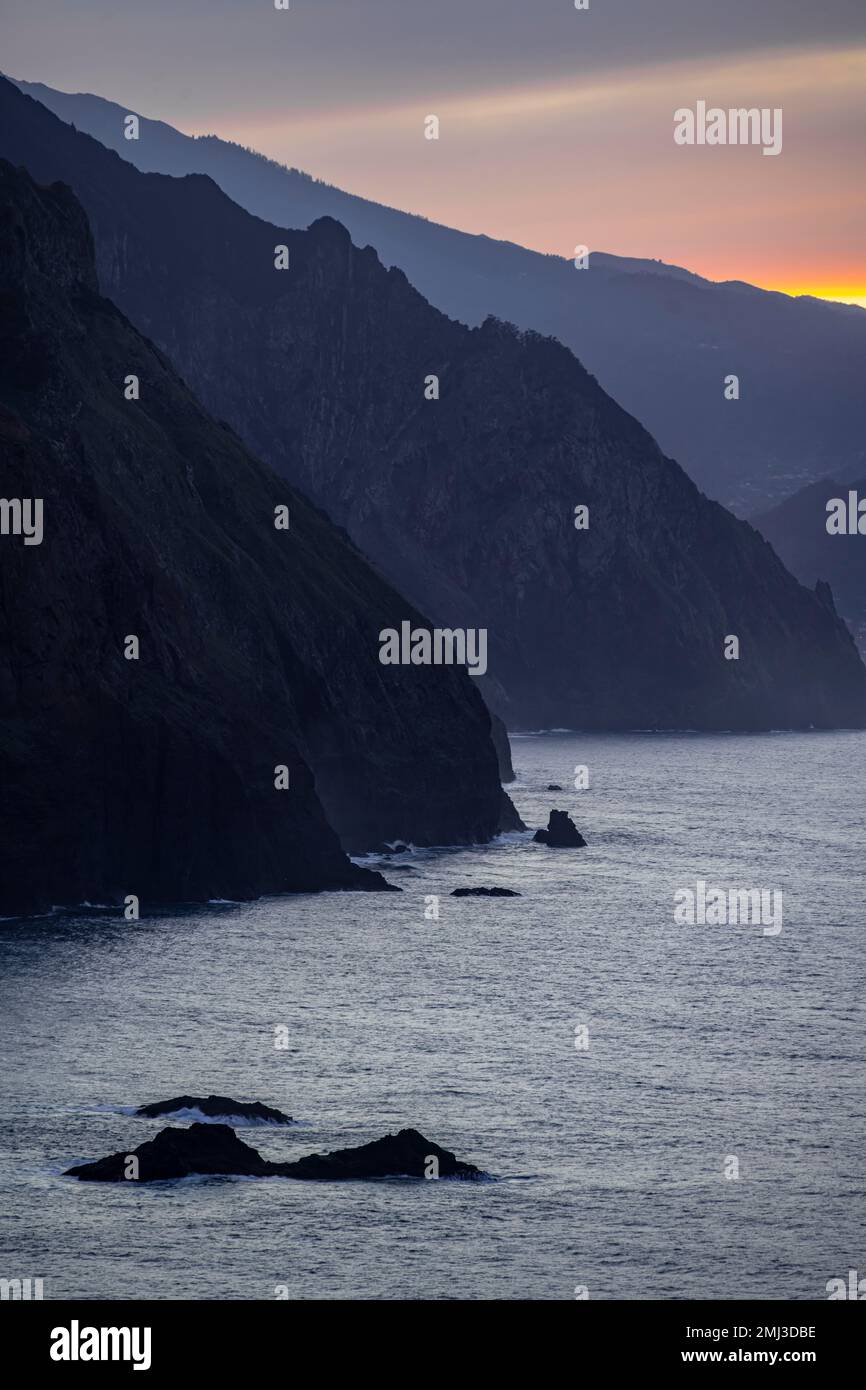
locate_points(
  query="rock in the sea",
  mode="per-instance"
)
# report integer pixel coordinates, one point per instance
(554, 787)
(217, 1107)
(561, 832)
(405, 1154)
(210, 1150)
(215, 1150)
(484, 893)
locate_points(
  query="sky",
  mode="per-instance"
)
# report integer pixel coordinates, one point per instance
(555, 124)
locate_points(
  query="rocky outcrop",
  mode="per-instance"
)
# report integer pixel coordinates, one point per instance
(484, 893)
(561, 833)
(214, 1150)
(405, 1154)
(613, 617)
(191, 701)
(203, 1149)
(217, 1107)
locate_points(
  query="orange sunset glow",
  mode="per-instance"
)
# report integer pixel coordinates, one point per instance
(552, 134)
(597, 164)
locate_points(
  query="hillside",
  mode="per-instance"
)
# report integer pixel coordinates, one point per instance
(257, 647)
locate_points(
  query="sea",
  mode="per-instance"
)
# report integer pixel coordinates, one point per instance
(665, 1109)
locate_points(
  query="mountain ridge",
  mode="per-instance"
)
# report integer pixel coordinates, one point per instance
(659, 338)
(466, 503)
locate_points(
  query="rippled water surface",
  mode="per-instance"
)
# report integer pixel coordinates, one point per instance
(706, 1043)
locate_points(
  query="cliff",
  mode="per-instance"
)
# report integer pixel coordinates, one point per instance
(797, 531)
(257, 647)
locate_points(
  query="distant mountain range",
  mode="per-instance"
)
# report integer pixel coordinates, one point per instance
(797, 530)
(154, 772)
(467, 502)
(660, 339)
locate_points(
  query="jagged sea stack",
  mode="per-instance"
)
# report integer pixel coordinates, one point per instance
(561, 833)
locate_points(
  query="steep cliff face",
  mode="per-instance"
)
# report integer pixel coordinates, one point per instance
(467, 502)
(257, 647)
(797, 530)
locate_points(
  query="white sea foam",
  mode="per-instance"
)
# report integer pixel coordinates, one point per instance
(193, 1115)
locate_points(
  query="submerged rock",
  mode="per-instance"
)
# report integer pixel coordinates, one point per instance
(561, 833)
(221, 1107)
(484, 893)
(215, 1150)
(554, 787)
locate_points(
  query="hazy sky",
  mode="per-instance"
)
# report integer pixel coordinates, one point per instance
(556, 125)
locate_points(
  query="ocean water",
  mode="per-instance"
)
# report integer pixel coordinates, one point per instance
(706, 1044)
